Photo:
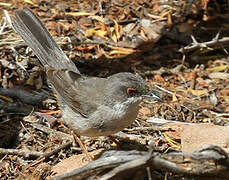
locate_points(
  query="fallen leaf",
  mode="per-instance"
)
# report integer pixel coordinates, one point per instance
(205, 3)
(30, 80)
(87, 48)
(29, 2)
(115, 35)
(158, 78)
(172, 142)
(218, 75)
(95, 32)
(98, 18)
(206, 120)
(6, 98)
(146, 111)
(50, 112)
(218, 68)
(118, 52)
(174, 98)
(198, 92)
(78, 14)
(5, 4)
(175, 129)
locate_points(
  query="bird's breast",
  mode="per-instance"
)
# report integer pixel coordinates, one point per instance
(104, 121)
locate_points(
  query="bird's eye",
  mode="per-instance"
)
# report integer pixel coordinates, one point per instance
(131, 91)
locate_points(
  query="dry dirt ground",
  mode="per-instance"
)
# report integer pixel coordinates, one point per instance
(179, 47)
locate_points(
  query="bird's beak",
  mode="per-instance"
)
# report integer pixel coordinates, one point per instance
(156, 95)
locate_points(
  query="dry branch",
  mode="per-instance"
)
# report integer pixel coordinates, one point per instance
(19, 152)
(209, 44)
(208, 161)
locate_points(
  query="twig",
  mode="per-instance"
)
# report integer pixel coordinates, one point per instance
(124, 136)
(159, 121)
(63, 146)
(52, 132)
(167, 91)
(20, 152)
(7, 16)
(196, 45)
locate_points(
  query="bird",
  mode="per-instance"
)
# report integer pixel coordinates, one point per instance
(90, 106)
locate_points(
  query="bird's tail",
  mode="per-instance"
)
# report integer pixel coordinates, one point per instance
(37, 37)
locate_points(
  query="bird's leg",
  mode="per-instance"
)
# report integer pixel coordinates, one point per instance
(78, 140)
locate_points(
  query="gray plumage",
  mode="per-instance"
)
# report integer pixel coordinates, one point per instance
(91, 106)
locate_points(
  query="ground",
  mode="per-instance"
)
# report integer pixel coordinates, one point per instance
(180, 48)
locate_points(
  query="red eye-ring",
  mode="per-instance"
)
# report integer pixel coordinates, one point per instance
(131, 91)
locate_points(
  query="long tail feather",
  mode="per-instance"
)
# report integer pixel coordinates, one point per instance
(37, 37)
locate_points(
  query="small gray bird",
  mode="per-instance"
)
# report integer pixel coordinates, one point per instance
(91, 106)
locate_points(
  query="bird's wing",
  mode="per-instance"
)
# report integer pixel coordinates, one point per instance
(78, 92)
